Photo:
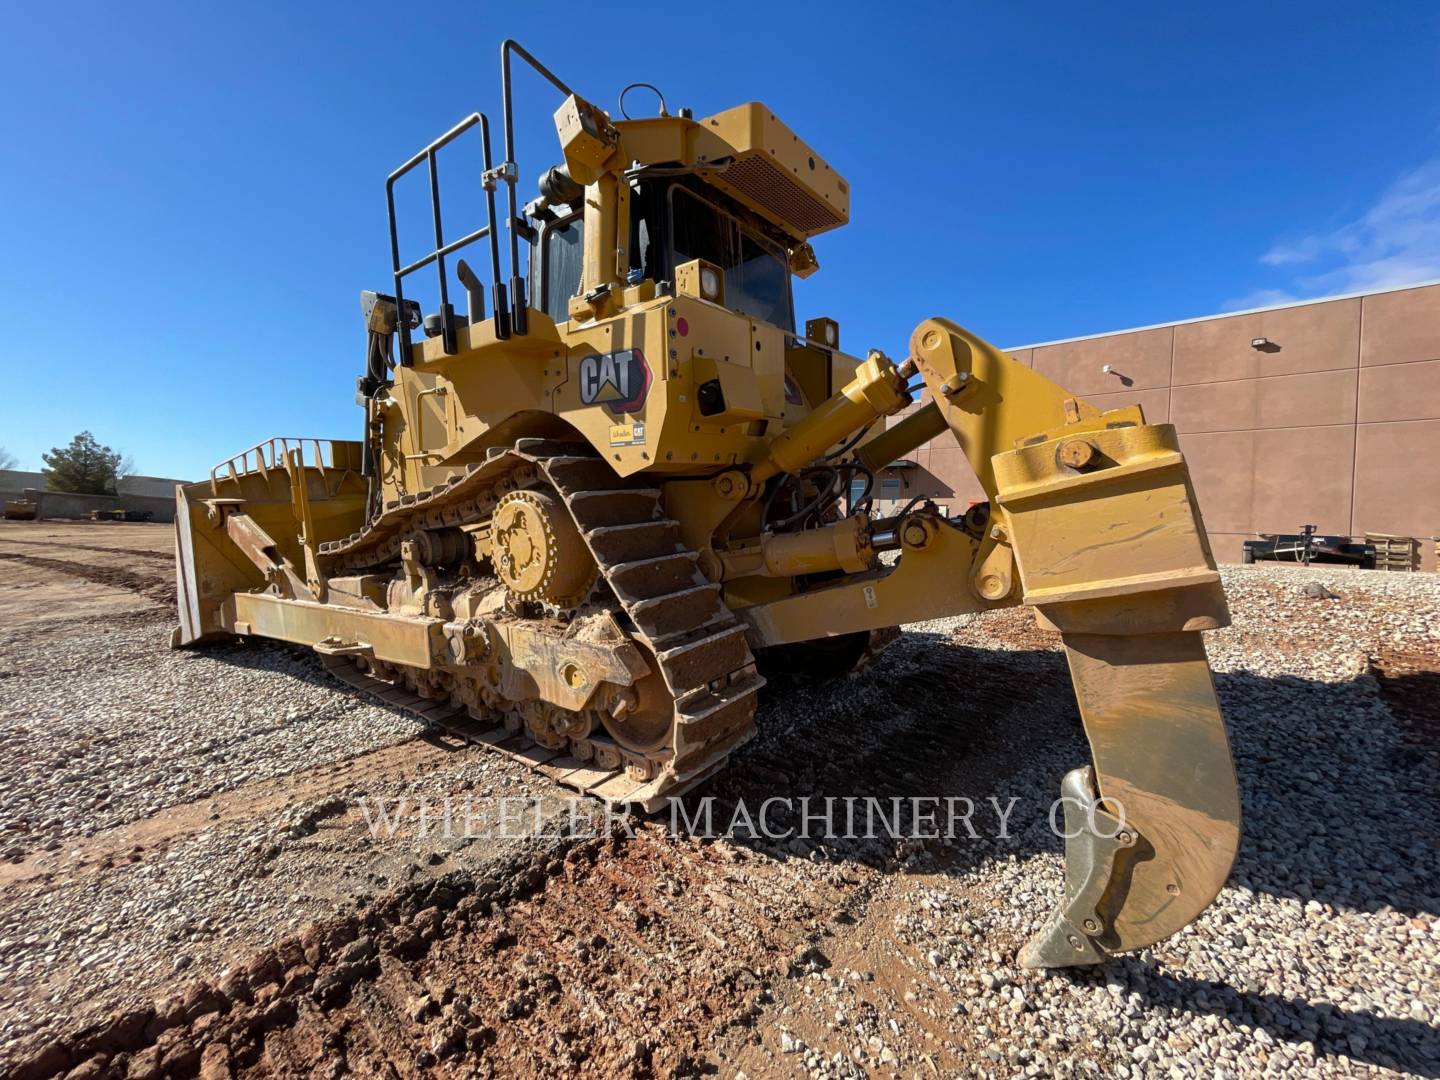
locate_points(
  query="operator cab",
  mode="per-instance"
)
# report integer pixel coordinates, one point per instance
(672, 221)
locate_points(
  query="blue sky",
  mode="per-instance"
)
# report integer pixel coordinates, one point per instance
(192, 195)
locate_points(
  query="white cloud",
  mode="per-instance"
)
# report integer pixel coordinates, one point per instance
(1258, 299)
(1395, 242)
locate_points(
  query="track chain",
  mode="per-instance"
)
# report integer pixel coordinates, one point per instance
(699, 645)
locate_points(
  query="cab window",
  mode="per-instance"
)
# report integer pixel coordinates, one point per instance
(562, 245)
(757, 276)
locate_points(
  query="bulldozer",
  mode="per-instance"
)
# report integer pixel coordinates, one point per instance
(585, 510)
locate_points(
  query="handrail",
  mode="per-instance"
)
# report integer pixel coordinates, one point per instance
(271, 454)
(442, 249)
(511, 302)
(511, 173)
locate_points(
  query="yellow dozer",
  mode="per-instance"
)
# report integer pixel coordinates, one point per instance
(572, 523)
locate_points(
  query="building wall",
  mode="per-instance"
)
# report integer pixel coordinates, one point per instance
(68, 504)
(13, 483)
(153, 493)
(1338, 427)
(154, 487)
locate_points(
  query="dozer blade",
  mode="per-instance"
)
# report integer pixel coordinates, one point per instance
(1152, 829)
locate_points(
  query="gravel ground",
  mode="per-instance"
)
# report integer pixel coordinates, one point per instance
(194, 723)
(1321, 956)
(196, 811)
(165, 812)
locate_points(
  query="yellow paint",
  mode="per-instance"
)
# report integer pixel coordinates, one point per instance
(1093, 519)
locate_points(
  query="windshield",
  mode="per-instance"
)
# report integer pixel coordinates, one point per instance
(757, 277)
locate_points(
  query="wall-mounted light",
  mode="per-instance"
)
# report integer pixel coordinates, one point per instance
(1125, 380)
(1264, 344)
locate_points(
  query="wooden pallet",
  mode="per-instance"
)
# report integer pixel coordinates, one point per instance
(1396, 553)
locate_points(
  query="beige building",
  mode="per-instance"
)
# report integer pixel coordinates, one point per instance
(1325, 412)
(153, 493)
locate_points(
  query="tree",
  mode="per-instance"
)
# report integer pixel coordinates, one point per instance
(84, 467)
(7, 459)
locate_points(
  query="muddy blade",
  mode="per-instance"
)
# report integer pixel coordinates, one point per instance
(1162, 768)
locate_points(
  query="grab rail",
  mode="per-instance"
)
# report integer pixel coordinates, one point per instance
(442, 249)
(271, 454)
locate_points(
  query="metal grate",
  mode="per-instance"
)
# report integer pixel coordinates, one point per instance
(760, 179)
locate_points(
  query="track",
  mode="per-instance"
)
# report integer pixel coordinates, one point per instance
(699, 647)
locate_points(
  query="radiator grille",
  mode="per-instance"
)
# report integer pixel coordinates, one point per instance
(760, 179)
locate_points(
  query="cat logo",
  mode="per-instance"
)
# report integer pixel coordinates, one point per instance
(617, 380)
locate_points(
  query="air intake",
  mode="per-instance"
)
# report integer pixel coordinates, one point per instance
(759, 180)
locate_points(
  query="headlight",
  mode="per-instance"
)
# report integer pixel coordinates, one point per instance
(823, 332)
(701, 280)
